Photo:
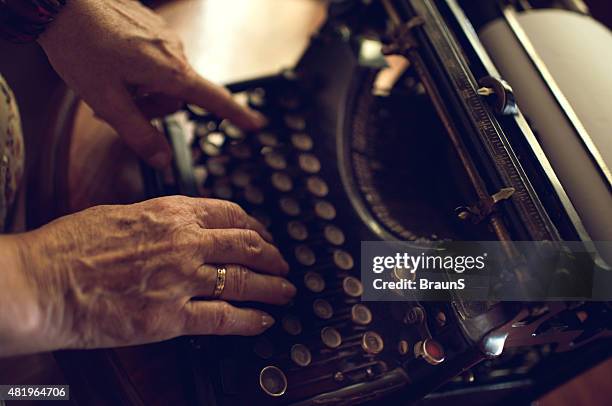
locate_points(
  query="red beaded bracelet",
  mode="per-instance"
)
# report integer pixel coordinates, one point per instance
(24, 20)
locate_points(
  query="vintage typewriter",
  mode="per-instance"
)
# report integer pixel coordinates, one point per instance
(398, 125)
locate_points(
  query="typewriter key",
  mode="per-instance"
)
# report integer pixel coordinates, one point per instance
(302, 141)
(317, 186)
(289, 101)
(240, 178)
(273, 381)
(267, 139)
(240, 150)
(322, 309)
(309, 163)
(281, 181)
(430, 350)
(275, 160)
(295, 122)
(403, 347)
(300, 354)
(197, 112)
(333, 235)
(331, 337)
(361, 315)
(289, 206)
(263, 348)
(325, 210)
(200, 174)
(231, 130)
(253, 195)
(352, 286)
(343, 260)
(257, 97)
(216, 138)
(222, 190)
(372, 343)
(216, 167)
(305, 255)
(208, 148)
(314, 282)
(292, 325)
(297, 230)
(201, 130)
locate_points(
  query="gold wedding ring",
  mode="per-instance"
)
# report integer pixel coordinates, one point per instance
(220, 283)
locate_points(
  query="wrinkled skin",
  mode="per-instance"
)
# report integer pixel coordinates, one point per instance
(123, 60)
(122, 275)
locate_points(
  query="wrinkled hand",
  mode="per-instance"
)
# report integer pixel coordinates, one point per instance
(129, 67)
(123, 275)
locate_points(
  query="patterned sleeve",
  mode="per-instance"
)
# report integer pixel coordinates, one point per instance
(12, 151)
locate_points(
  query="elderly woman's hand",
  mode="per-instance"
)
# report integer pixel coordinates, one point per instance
(122, 275)
(129, 67)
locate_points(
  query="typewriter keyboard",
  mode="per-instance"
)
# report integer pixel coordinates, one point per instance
(326, 339)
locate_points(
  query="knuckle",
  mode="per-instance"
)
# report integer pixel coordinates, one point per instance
(252, 243)
(235, 214)
(222, 319)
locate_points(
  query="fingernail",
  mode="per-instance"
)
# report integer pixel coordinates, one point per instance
(289, 289)
(160, 160)
(266, 321)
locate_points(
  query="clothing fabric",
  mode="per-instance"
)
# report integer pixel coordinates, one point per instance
(12, 152)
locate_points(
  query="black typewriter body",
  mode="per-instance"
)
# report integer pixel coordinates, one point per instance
(345, 159)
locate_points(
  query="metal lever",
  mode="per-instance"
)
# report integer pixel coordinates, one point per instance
(483, 208)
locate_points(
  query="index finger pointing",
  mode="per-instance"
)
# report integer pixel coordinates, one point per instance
(218, 100)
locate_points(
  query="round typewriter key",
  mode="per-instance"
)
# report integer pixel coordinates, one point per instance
(216, 138)
(333, 235)
(302, 141)
(292, 325)
(275, 160)
(253, 195)
(216, 167)
(325, 210)
(240, 150)
(222, 190)
(317, 186)
(309, 163)
(338, 376)
(352, 286)
(295, 122)
(208, 148)
(290, 101)
(264, 348)
(289, 206)
(361, 315)
(231, 130)
(343, 260)
(305, 255)
(403, 347)
(430, 350)
(331, 337)
(282, 182)
(300, 354)
(257, 97)
(314, 282)
(200, 130)
(196, 111)
(267, 139)
(240, 178)
(322, 309)
(200, 174)
(372, 343)
(297, 230)
(273, 381)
